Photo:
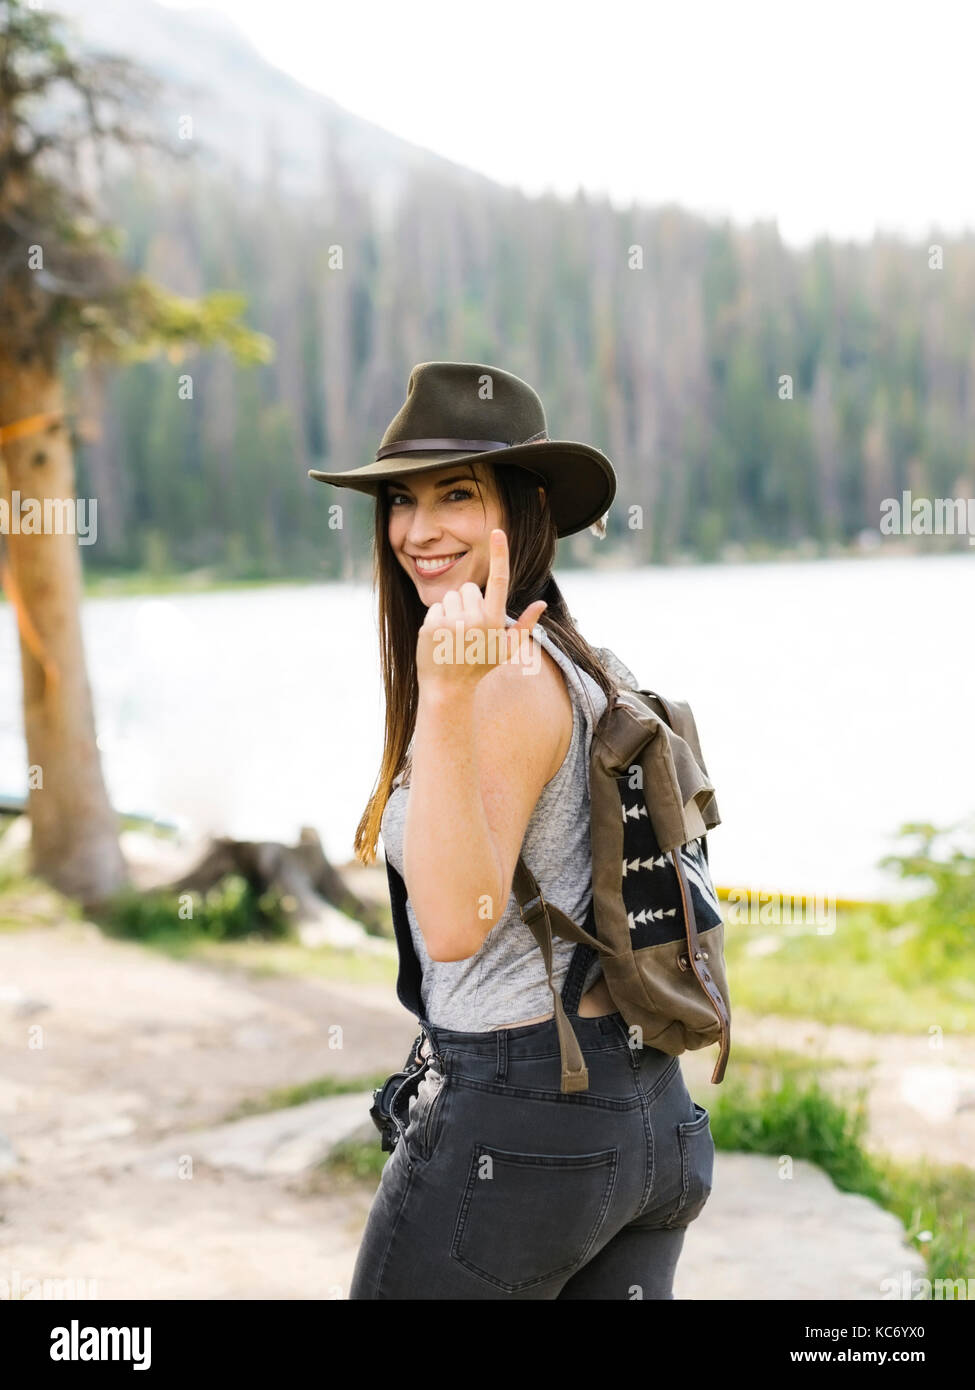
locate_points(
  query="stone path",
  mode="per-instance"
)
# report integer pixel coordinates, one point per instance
(770, 1237)
(120, 1068)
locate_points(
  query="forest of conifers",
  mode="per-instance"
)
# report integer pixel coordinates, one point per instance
(680, 370)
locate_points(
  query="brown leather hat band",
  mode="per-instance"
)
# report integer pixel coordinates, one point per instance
(471, 446)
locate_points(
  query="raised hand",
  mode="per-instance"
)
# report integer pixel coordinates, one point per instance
(464, 636)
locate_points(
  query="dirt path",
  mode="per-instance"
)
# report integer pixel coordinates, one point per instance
(106, 1042)
(110, 1046)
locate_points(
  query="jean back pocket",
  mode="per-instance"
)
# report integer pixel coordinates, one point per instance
(697, 1166)
(527, 1218)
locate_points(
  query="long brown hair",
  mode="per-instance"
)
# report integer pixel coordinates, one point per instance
(532, 541)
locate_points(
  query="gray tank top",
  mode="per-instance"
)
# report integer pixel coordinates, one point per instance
(505, 981)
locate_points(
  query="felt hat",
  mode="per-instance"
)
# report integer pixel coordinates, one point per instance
(455, 412)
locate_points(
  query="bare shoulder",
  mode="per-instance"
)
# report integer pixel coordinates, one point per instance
(535, 687)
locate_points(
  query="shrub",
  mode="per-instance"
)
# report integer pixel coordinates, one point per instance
(231, 910)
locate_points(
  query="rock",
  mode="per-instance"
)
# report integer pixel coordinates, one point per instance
(762, 1236)
(329, 927)
(255, 1037)
(21, 1005)
(117, 1127)
(289, 1141)
(937, 1092)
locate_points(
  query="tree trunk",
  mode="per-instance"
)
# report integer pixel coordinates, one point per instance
(74, 831)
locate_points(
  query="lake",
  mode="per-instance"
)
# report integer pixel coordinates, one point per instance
(834, 701)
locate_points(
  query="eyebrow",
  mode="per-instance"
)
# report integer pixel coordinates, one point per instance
(401, 487)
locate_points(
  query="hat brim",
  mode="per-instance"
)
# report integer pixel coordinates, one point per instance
(580, 480)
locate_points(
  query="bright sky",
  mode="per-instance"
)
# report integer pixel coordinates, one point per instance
(835, 116)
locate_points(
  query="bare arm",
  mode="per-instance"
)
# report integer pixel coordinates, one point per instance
(482, 755)
(483, 747)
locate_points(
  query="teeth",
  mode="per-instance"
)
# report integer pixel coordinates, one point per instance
(436, 564)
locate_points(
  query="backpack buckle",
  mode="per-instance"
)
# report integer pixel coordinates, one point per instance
(533, 909)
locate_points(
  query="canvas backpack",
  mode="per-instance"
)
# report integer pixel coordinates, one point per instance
(654, 914)
(654, 917)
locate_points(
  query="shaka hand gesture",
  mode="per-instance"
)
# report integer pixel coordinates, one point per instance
(464, 636)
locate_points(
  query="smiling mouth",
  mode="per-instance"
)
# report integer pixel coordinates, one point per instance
(438, 564)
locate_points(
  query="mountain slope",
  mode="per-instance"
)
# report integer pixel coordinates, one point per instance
(246, 111)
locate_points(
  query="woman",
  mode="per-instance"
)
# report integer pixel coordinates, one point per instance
(503, 1186)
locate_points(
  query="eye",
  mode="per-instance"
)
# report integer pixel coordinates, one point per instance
(465, 493)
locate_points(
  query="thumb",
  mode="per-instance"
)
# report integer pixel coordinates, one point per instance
(531, 615)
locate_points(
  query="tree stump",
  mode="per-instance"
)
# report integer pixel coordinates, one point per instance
(301, 873)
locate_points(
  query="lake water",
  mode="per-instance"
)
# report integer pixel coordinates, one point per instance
(834, 701)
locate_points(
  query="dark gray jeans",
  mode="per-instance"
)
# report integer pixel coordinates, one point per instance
(501, 1186)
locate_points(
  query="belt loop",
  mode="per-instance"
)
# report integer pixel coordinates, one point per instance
(502, 1072)
(430, 1037)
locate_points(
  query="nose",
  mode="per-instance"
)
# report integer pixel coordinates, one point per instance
(423, 525)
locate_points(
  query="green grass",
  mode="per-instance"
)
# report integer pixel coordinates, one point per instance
(794, 1114)
(317, 1089)
(880, 970)
(231, 926)
(358, 1162)
(937, 1205)
(26, 901)
(229, 911)
(886, 967)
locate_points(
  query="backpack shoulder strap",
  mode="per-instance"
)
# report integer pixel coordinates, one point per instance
(661, 707)
(696, 956)
(537, 916)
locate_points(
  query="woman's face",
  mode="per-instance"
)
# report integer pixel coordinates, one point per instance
(438, 517)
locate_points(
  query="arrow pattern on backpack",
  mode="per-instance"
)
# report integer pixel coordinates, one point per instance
(651, 892)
